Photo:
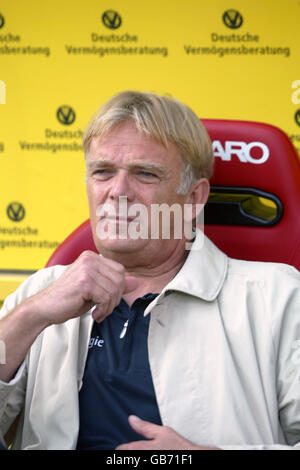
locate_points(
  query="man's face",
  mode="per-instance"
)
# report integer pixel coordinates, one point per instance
(132, 168)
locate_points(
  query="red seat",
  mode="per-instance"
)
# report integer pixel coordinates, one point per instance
(253, 212)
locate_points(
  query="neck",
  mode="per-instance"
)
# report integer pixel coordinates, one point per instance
(155, 277)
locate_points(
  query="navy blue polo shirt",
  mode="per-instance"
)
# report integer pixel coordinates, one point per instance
(117, 381)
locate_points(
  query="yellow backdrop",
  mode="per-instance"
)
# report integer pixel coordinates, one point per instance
(60, 59)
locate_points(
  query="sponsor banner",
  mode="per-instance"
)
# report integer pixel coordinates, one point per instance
(59, 63)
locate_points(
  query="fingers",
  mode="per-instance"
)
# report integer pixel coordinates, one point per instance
(108, 293)
(158, 437)
(91, 280)
(106, 283)
(145, 428)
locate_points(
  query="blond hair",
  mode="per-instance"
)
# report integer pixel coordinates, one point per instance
(165, 119)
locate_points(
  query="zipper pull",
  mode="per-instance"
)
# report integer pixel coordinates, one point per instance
(123, 332)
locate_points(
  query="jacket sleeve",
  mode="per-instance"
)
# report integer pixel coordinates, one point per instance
(283, 300)
(12, 393)
(286, 334)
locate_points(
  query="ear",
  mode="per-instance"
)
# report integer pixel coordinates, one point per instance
(199, 192)
(195, 202)
(197, 196)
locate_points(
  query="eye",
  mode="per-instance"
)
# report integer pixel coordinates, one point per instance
(147, 175)
(102, 173)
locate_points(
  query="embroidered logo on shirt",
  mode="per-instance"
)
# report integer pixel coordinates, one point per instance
(96, 342)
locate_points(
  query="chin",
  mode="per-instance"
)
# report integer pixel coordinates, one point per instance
(116, 246)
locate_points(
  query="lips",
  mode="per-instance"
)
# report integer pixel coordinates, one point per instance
(118, 219)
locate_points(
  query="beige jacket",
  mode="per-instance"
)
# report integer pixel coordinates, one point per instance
(224, 351)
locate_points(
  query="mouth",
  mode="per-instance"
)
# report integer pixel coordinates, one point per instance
(118, 219)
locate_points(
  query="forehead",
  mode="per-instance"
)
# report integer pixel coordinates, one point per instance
(124, 141)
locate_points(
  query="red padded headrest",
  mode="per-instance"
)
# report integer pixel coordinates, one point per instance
(259, 156)
(254, 155)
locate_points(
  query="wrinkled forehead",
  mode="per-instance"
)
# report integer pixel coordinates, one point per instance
(122, 133)
(126, 141)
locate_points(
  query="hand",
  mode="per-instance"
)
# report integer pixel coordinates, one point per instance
(159, 438)
(91, 280)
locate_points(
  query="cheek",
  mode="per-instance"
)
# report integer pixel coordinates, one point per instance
(91, 199)
(93, 202)
(167, 196)
(95, 194)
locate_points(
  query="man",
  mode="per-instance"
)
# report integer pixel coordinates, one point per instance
(151, 345)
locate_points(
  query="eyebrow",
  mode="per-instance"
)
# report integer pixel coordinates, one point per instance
(133, 165)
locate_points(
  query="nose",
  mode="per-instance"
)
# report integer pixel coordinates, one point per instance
(121, 187)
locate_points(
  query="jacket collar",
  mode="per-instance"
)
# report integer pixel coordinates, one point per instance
(203, 273)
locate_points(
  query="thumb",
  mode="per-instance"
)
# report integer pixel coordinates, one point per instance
(131, 283)
(145, 428)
